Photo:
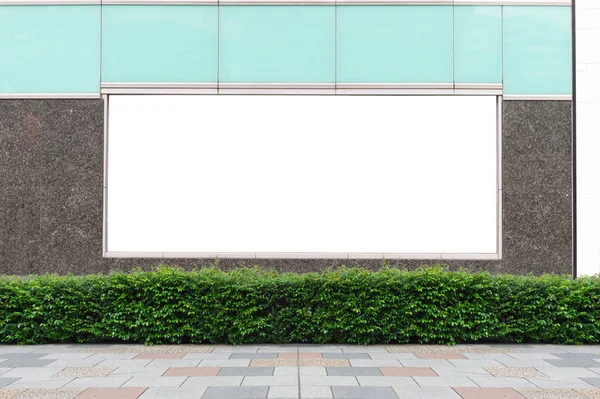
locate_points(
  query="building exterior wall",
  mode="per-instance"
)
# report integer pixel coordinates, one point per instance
(51, 194)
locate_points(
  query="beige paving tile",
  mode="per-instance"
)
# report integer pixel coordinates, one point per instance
(192, 371)
(325, 362)
(7, 393)
(448, 349)
(589, 393)
(85, 372)
(515, 372)
(534, 393)
(62, 393)
(273, 362)
(408, 371)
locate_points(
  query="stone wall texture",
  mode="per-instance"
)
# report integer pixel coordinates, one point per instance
(51, 165)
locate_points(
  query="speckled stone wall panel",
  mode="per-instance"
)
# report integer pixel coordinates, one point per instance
(51, 194)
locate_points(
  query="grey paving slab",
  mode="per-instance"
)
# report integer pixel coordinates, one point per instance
(502, 382)
(111, 381)
(592, 381)
(46, 383)
(154, 382)
(367, 381)
(6, 381)
(173, 393)
(574, 362)
(258, 381)
(210, 355)
(581, 355)
(253, 356)
(532, 356)
(67, 356)
(425, 363)
(554, 383)
(236, 349)
(376, 362)
(328, 380)
(249, 371)
(236, 393)
(32, 372)
(395, 355)
(283, 391)
(4, 369)
(566, 372)
(426, 393)
(363, 349)
(278, 349)
(364, 393)
(17, 348)
(26, 362)
(346, 356)
(311, 392)
(160, 363)
(368, 371)
(460, 372)
(313, 371)
(445, 382)
(218, 381)
(475, 363)
(27, 355)
(225, 362)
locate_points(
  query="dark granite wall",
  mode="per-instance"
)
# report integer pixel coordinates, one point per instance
(51, 154)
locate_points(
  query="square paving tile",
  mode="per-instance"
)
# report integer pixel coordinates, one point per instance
(488, 393)
(349, 371)
(111, 393)
(408, 371)
(364, 392)
(191, 371)
(235, 393)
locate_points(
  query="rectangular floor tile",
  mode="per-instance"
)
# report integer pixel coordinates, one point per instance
(49, 382)
(283, 371)
(321, 392)
(111, 381)
(554, 383)
(426, 393)
(328, 380)
(235, 393)
(27, 362)
(247, 371)
(408, 371)
(191, 371)
(592, 381)
(174, 393)
(44, 393)
(364, 392)
(283, 391)
(366, 381)
(111, 393)
(369, 371)
(374, 362)
(155, 382)
(502, 382)
(346, 356)
(6, 381)
(488, 393)
(253, 356)
(151, 355)
(224, 363)
(444, 382)
(270, 381)
(445, 356)
(314, 371)
(217, 381)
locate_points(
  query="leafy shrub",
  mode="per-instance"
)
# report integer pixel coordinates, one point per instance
(351, 306)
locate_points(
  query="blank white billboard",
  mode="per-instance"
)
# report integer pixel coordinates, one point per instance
(301, 176)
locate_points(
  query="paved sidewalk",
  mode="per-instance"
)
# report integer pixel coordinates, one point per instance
(300, 371)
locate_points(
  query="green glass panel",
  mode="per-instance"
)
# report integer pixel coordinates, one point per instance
(537, 50)
(394, 44)
(159, 43)
(478, 44)
(277, 44)
(50, 49)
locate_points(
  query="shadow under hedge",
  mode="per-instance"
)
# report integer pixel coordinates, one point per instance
(352, 306)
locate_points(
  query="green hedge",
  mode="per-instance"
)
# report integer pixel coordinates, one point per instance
(257, 306)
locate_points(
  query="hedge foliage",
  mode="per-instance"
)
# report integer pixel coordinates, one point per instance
(352, 306)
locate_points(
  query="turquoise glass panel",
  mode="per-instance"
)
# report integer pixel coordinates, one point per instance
(159, 43)
(394, 44)
(478, 44)
(277, 44)
(537, 50)
(50, 49)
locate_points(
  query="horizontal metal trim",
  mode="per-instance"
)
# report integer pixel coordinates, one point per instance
(513, 2)
(394, 85)
(277, 86)
(49, 96)
(159, 91)
(300, 255)
(47, 2)
(158, 85)
(290, 2)
(483, 256)
(478, 86)
(277, 91)
(541, 97)
(379, 92)
(473, 92)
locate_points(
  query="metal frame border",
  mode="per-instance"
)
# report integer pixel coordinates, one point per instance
(308, 255)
